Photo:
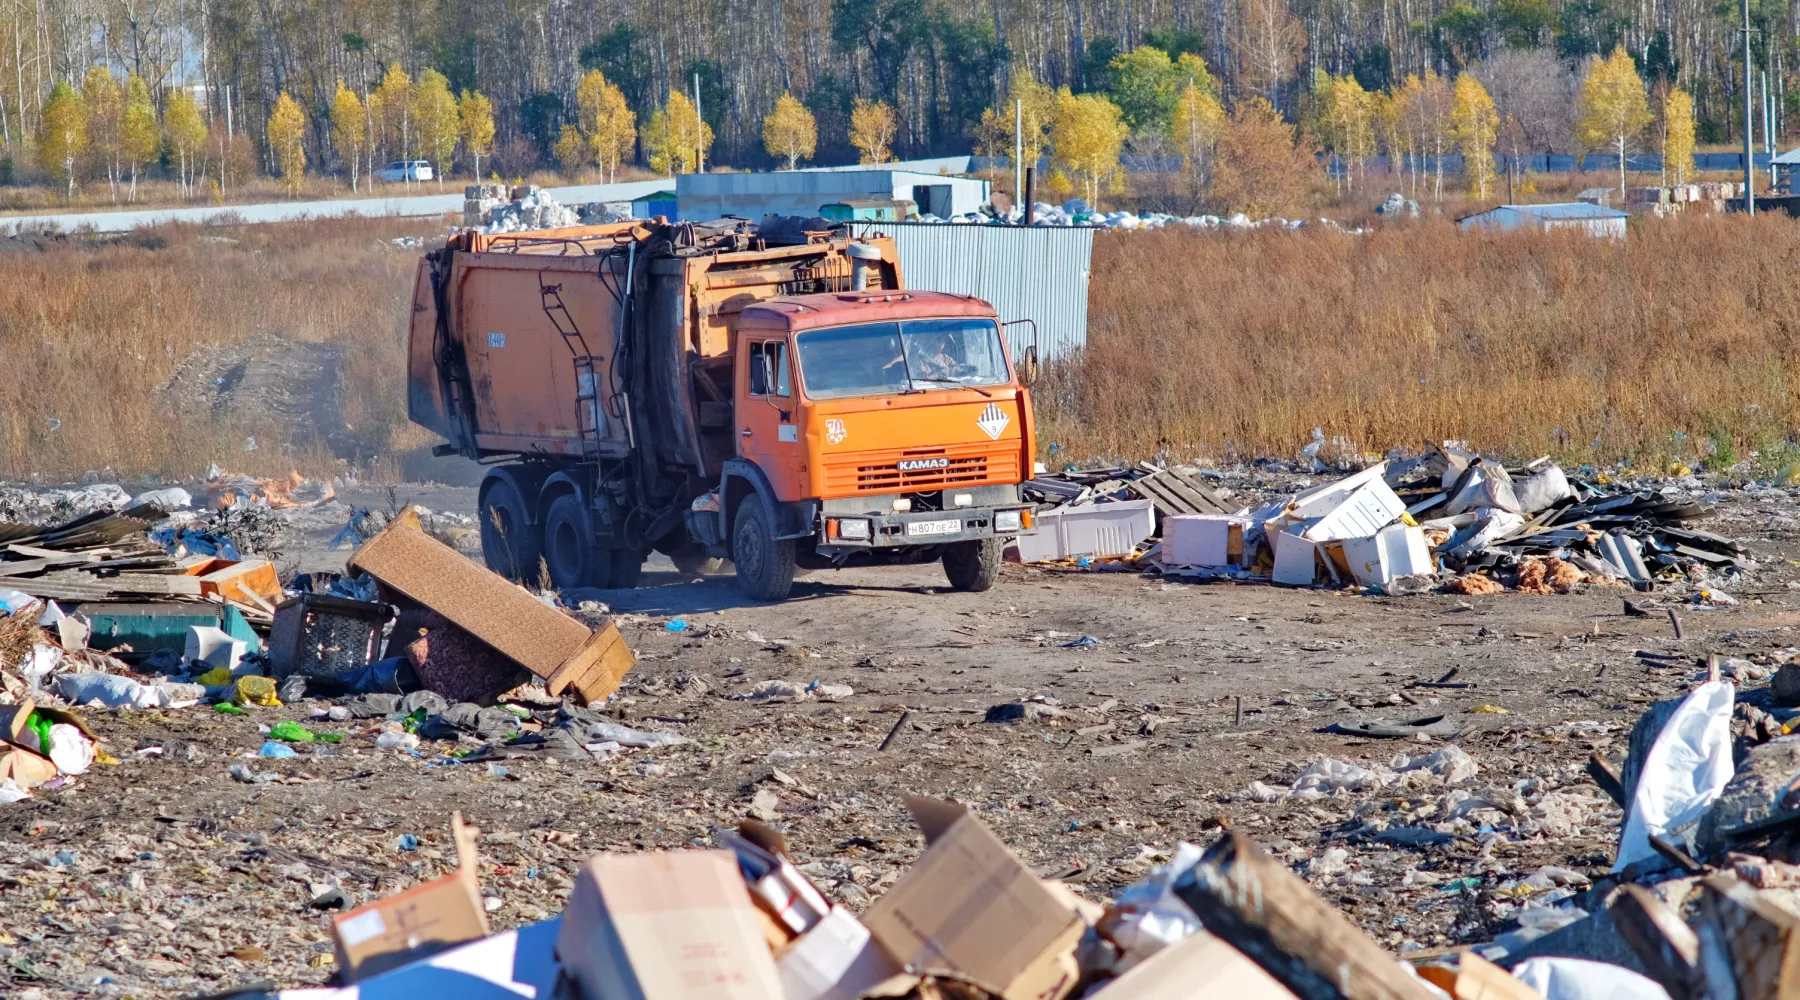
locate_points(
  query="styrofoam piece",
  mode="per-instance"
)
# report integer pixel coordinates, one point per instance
(1101, 530)
(1296, 559)
(1201, 539)
(1684, 772)
(214, 647)
(1395, 551)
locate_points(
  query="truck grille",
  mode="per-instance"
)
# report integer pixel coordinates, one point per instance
(879, 472)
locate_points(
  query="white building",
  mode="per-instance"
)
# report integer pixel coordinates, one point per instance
(802, 192)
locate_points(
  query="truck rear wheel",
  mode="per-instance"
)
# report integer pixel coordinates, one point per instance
(765, 565)
(569, 548)
(973, 566)
(509, 542)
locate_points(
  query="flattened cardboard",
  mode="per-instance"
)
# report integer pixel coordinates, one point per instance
(543, 640)
(421, 921)
(971, 910)
(1198, 967)
(675, 925)
(25, 768)
(13, 719)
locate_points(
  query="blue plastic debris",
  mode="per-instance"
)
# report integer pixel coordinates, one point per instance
(1085, 642)
(408, 842)
(63, 858)
(274, 749)
(676, 625)
(1084, 562)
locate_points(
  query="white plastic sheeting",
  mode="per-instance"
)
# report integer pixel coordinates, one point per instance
(1579, 979)
(1686, 769)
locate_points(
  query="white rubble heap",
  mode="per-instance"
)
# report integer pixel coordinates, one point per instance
(485, 208)
(1076, 212)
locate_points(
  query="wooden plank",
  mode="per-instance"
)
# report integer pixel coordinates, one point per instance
(1265, 911)
(1668, 948)
(28, 566)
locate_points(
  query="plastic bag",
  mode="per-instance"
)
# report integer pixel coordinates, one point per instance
(254, 690)
(70, 749)
(291, 732)
(1686, 769)
(1148, 916)
(1579, 979)
(110, 690)
(216, 677)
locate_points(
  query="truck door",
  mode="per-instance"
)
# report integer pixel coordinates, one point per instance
(769, 428)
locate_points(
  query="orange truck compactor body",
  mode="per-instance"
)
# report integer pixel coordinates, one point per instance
(711, 393)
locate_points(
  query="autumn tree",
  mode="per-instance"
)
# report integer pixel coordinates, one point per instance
(287, 141)
(1474, 126)
(349, 127)
(1195, 128)
(435, 121)
(675, 136)
(1343, 117)
(1268, 45)
(790, 131)
(105, 102)
(392, 107)
(1088, 133)
(138, 134)
(1030, 106)
(184, 132)
(873, 126)
(62, 136)
(1678, 136)
(475, 113)
(1424, 106)
(1145, 84)
(572, 151)
(606, 121)
(1612, 109)
(1264, 168)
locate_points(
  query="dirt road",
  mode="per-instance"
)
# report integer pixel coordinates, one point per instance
(163, 876)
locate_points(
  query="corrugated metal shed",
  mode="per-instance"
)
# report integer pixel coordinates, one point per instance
(1598, 220)
(1026, 272)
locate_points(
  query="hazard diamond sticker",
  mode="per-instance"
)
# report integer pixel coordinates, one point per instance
(993, 421)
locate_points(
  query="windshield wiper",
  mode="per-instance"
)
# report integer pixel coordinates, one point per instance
(949, 381)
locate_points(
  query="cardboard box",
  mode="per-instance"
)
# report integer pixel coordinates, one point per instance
(1196, 967)
(971, 910)
(24, 767)
(1204, 539)
(421, 921)
(676, 925)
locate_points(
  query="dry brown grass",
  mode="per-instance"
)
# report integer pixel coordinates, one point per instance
(1681, 341)
(89, 330)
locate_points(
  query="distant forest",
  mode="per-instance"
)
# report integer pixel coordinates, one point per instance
(938, 64)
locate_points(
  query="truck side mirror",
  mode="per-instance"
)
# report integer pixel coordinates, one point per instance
(1031, 365)
(762, 374)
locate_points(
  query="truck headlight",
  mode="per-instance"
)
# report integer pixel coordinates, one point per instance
(1007, 520)
(857, 529)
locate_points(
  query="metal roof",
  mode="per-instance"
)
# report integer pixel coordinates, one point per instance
(1558, 210)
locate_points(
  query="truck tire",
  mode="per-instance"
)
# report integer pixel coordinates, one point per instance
(569, 548)
(973, 566)
(509, 542)
(624, 567)
(765, 565)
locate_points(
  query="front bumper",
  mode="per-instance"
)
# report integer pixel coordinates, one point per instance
(916, 528)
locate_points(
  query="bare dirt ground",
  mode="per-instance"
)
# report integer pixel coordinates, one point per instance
(162, 876)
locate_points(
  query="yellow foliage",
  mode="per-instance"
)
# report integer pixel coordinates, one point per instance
(1678, 136)
(790, 131)
(1089, 133)
(1612, 109)
(476, 115)
(349, 127)
(287, 140)
(873, 126)
(1474, 125)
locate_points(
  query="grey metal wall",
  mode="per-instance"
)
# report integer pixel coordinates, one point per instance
(1026, 272)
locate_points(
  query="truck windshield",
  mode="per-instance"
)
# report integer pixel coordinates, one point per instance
(918, 354)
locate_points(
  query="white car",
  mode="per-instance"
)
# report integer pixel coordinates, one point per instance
(405, 170)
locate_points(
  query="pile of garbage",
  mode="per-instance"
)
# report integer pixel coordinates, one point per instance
(1076, 212)
(492, 208)
(1447, 520)
(1698, 902)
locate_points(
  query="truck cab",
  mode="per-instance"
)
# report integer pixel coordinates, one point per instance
(872, 426)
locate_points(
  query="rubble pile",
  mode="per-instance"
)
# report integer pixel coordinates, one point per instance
(492, 208)
(1449, 520)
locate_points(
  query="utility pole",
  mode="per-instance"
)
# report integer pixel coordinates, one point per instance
(1749, 124)
(700, 123)
(1019, 150)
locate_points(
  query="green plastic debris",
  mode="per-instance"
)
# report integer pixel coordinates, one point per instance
(40, 725)
(291, 732)
(412, 722)
(227, 708)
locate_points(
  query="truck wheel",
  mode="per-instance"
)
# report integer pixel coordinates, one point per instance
(509, 543)
(973, 566)
(569, 548)
(625, 566)
(765, 566)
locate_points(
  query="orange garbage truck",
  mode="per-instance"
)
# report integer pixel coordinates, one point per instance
(771, 396)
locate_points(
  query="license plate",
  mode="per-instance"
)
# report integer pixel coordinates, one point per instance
(950, 527)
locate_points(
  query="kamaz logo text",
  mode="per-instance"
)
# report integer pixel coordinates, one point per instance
(915, 464)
